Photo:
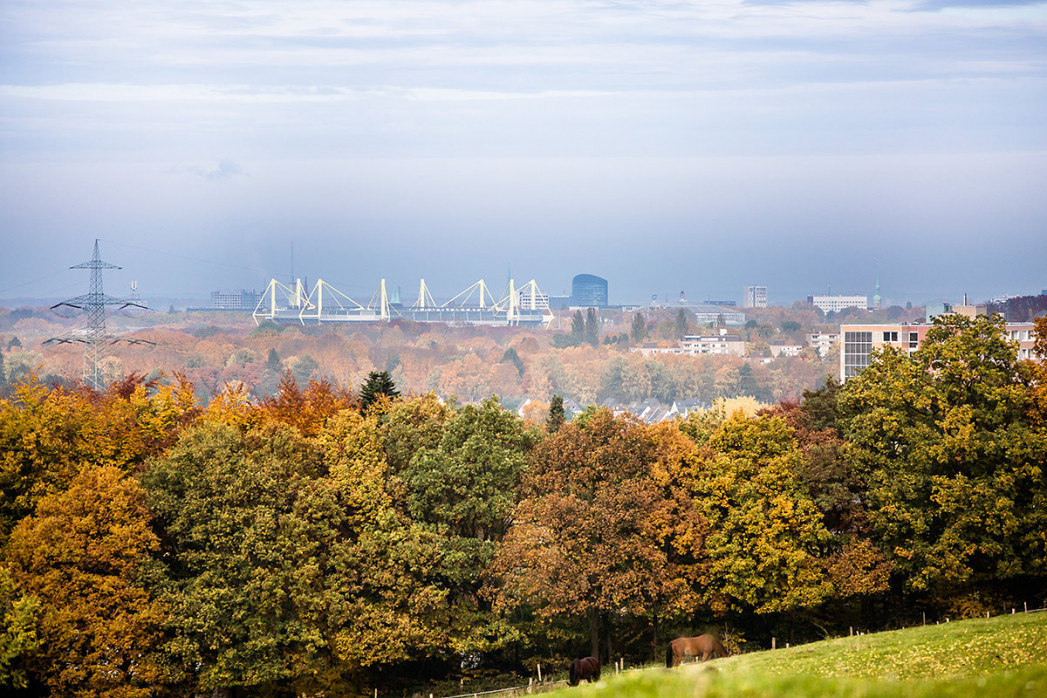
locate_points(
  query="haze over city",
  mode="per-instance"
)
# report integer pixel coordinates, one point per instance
(665, 146)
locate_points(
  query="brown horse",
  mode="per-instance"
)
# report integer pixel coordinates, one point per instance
(706, 646)
(581, 669)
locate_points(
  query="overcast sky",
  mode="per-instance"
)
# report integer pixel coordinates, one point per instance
(666, 146)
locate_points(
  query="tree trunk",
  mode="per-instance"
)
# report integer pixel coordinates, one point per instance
(594, 633)
(654, 640)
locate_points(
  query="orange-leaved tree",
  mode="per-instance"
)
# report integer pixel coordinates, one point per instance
(586, 537)
(82, 555)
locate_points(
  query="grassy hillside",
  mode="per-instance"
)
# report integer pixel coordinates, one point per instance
(1004, 656)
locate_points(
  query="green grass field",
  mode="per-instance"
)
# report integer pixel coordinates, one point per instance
(1004, 656)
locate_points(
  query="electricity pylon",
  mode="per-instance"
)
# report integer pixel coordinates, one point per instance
(94, 337)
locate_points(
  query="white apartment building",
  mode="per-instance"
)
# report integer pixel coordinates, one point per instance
(823, 342)
(838, 303)
(722, 343)
(754, 297)
(693, 345)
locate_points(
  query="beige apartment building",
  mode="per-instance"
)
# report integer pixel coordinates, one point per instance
(860, 340)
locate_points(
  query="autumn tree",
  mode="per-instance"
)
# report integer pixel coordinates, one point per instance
(763, 549)
(385, 611)
(82, 555)
(411, 425)
(48, 435)
(307, 410)
(584, 544)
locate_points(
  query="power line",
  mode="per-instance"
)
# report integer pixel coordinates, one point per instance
(94, 337)
(188, 258)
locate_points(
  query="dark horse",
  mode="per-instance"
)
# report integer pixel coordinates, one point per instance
(580, 669)
(706, 646)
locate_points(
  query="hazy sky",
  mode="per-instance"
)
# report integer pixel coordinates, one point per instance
(666, 146)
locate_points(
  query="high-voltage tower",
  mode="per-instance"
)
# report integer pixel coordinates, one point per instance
(94, 337)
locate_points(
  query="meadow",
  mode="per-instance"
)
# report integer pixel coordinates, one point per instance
(1002, 656)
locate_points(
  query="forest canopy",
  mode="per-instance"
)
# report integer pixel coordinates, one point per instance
(305, 543)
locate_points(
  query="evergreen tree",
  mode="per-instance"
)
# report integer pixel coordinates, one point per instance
(272, 362)
(578, 326)
(556, 418)
(681, 322)
(378, 384)
(510, 356)
(592, 327)
(639, 328)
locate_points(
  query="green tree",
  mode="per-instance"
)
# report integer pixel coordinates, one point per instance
(955, 467)
(411, 425)
(556, 418)
(272, 361)
(511, 356)
(377, 386)
(681, 322)
(592, 327)
(82, 555)
(638, 328)
(462, 493)
(247, 556)
(18, 636)
(385, 610)
(578, 327)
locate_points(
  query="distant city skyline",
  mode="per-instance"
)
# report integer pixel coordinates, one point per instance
(71, 282)
(664, 146)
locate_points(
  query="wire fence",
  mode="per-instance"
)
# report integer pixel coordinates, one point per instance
(546, 685)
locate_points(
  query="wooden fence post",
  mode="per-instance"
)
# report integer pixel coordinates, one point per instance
(774, 643)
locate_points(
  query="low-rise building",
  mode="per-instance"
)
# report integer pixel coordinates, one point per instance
(696, 344)
(823, 342)
(786, 350)
(721, 343)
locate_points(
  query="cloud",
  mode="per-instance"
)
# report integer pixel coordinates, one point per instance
(226, 169)
(937, 4)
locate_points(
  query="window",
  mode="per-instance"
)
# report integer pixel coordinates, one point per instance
(856, 348)
(890, 336)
